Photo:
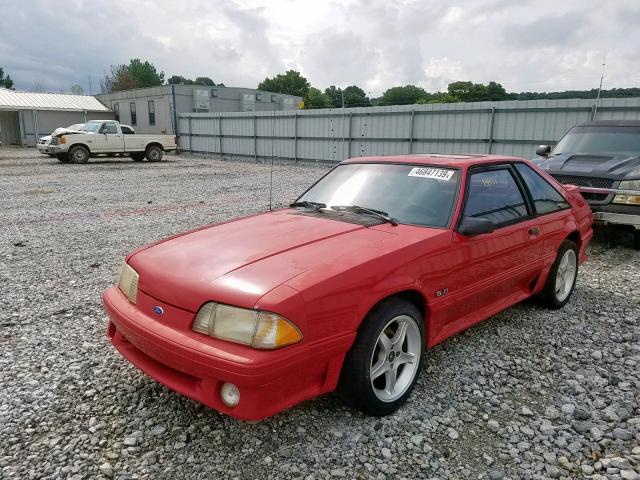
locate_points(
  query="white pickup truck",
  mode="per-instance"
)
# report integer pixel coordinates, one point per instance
(106, 137)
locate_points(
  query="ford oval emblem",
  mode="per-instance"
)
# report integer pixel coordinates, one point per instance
(158, 310)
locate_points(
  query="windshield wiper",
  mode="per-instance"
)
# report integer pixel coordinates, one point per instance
(307, 204)
(367, 211)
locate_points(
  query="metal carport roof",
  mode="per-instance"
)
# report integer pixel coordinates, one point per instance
(12, 100)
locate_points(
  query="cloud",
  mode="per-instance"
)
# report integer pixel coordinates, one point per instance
(376, 44)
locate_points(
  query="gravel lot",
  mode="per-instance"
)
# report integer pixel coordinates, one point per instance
(529, 393)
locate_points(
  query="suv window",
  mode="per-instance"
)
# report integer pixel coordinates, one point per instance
(545, 197)
(495, 195)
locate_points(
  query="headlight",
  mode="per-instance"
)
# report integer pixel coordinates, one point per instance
(249, 327)
(128, 282)
(628, 199)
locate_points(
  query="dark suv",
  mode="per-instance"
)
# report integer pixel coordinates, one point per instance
(603, 159)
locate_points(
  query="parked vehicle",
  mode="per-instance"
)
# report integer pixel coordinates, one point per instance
(43, 142)
(380, 259)
(108, 137)
(603, 159)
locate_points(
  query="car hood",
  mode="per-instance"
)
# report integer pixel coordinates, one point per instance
(58, 132)
(615, 167)
(239, 261)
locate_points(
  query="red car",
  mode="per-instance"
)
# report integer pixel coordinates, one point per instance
(380, 259)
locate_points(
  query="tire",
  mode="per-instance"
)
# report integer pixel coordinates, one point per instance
(636, 240)
(369, 365)
(562, 277)
(63, 157)
(78, 154)
(153, 153)
(137, 156)
(52, 155)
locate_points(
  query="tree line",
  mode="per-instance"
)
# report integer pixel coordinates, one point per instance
(140, 74)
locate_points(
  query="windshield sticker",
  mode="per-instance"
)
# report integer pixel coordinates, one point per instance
(435, 173)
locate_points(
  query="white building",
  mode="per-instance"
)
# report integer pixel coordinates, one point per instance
(24, 117)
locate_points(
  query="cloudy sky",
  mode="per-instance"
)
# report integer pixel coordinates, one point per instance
(527, 45)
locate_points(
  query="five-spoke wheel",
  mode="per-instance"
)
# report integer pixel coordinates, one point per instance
(385, 360)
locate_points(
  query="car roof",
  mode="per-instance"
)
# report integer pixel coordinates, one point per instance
(443, 159)
(610, 123)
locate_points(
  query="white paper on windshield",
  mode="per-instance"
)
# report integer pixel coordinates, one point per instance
(435, 173)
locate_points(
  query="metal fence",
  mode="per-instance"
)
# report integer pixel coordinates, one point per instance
(331, 135)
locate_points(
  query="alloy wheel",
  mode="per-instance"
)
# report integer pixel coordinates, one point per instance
(395, 358)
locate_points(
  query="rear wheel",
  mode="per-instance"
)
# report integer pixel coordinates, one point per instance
(78, 154)
(562, 276)
(384, 363)
(153, 153)
(137, 156)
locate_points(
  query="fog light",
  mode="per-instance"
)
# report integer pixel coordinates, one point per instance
(230, 395)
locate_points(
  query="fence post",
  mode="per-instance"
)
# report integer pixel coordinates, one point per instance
(255, 136)
(220, 135)
(413, 115)
(349, 135)
(190, 139)
(491, 122)
(295, 136)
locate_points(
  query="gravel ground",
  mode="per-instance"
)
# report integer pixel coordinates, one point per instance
(529, 393)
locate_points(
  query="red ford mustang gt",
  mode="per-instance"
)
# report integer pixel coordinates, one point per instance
(380, 259)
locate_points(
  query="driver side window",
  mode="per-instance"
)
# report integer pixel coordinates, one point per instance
(494, 195)
(109, 128)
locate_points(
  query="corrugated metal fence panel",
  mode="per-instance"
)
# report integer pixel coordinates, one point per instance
(511, 128)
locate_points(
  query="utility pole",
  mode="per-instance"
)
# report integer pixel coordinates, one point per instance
(595, 107)
(90, 91)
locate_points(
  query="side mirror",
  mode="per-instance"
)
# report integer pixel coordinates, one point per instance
(543, 150)
(470, 226)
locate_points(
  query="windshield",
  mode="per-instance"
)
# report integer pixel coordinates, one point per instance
(91, 126)
(607, 140)
(76, 126)
(412, 195)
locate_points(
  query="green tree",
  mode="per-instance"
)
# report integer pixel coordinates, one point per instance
(316, 99)
(355, 97)
(137, 74)
(144, 73)
(290, 83)
(179, 79)
(204, 81)
(5, 82)
(439, 97)
(403, 95)
(335, 94)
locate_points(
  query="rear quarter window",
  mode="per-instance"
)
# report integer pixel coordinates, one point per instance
(545, 197)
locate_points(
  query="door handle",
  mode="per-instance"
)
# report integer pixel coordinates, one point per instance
(534, 231)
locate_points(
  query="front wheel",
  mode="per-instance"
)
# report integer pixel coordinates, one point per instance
(562, 276)
(636, 240)
(78, 154)
(153, 153)
(384, 363)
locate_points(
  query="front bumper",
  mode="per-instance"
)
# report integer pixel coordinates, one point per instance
(616, 219)
(269, 381)
(43, 148)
